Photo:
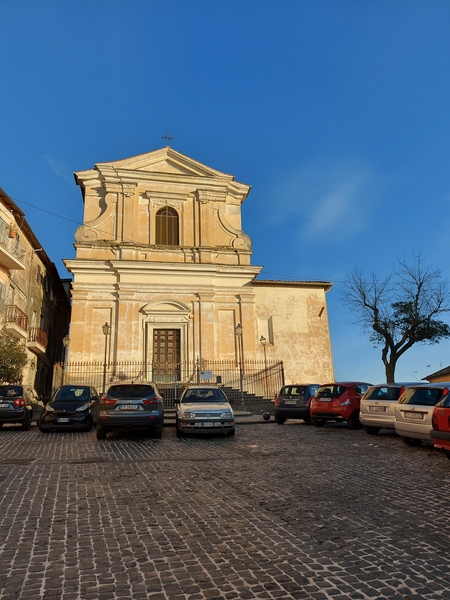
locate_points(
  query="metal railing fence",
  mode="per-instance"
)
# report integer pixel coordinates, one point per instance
(248, 383)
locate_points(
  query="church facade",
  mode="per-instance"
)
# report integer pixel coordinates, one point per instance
(163, 261)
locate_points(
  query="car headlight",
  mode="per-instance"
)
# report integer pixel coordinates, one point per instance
(346, 403)
(188, 415)
(49, 408)
(226, 415)
(81, 408)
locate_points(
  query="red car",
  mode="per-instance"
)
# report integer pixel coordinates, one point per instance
(338, 402)
(440, 434)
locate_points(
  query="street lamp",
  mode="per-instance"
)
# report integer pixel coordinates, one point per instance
(238, 331)
(66, 342)
(106, 331)
(263, 342)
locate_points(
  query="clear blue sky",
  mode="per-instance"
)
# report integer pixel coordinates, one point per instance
(335, 112)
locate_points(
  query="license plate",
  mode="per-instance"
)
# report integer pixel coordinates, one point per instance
(207, 424)
(128, 407)
(5, 405)
(377, 408)
(325, 399)
(63, 420)
(413, 415)
(290, 401)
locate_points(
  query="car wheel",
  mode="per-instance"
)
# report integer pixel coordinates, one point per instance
(371, 430)
(90, 425)
(156, 432)
(42, 430)
(179, 433)
(101, 434)
(447, 454)
(232, 432)
(307, 419)
(280, 420)
(410, 441)
(317, 422)
(354, 422)
(27, 424)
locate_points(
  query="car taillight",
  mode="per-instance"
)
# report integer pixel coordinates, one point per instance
(107, 401)
(19, 402)
(152, 401)
(435, 421)
(277, 401)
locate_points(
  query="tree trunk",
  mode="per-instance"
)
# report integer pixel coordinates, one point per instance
(390, 371)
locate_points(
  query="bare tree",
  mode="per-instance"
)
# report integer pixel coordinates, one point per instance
(400, 310)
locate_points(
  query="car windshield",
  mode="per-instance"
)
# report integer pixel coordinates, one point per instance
(10, 391)
(136, 390)
(383, 393)
(421, 396)
(331, 391)
(72, 393)
(202, 395)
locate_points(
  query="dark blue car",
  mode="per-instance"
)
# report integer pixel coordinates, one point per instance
(71, 407)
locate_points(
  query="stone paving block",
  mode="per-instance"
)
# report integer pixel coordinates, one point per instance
(250, 517)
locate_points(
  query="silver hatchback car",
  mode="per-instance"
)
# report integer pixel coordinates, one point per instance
(204, 409)
(377, 410)
(414, 411)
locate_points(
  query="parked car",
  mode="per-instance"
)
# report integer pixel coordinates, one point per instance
(19, 404)
(440, 421)
(204, 409)
(338, 401)
(377, 406)
(293, 402)
(131, 406)
(414, 410)
(71, 407)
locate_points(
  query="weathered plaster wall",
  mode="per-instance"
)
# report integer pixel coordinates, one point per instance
(295, 321)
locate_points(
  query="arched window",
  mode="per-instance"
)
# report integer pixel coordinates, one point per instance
(167, 227)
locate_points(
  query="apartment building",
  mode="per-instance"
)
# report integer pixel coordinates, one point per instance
(34, 300)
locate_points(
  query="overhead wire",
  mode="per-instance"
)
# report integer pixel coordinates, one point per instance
(79, 223)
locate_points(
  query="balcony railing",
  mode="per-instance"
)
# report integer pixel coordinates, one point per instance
(16, 316)
(12, 254)
(36, 335)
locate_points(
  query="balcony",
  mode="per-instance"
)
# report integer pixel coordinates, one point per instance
(37, 340)
(12, 255)
(16, 321)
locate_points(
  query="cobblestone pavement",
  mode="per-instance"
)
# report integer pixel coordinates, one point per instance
(275, 512)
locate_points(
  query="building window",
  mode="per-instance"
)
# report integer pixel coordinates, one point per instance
(167, 227)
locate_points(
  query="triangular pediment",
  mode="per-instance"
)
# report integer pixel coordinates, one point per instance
(165, 160)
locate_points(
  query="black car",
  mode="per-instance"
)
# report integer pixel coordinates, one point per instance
(131, 406)
(293, 402)
(71, 407)
(19, 404)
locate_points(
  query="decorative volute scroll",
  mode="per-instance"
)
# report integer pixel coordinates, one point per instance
(122, 199)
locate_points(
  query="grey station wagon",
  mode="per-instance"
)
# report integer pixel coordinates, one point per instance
(131, 406)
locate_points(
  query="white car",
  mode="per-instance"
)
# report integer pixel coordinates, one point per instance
(414, 411)
(204, 409)
(377, 409)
